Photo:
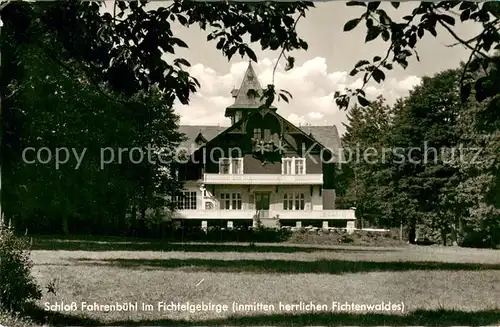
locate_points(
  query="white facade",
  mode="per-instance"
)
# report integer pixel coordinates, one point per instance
(231, 201)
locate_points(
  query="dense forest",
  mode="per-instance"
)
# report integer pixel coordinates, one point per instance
(431, 164)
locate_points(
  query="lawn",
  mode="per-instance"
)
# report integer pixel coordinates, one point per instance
(433, 285)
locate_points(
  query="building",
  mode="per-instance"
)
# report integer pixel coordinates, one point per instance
(261, 169)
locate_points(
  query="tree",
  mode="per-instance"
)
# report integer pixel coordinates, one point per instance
(126, 49)
(477, 192)
(53, 109)
(113, 65)
(426, 121)
(364, 143)
(431, 179)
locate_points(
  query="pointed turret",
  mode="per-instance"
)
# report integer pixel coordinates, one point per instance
(247, 97)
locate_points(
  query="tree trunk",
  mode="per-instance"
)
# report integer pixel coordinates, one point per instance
(65, 228)
(360, 217)
(142, 222)
(412, 231)
(461, 228)
(454, 238)
(133, 221)
(401, 230)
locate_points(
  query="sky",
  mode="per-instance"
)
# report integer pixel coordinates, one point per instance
(319, 72)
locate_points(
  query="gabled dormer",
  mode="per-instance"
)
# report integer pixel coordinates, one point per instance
(200, 139)
(247, 98)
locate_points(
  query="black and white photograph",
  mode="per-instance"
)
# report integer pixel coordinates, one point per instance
(249, 163)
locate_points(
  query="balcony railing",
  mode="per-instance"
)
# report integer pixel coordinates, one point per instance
(313, 214)
(263, 179)
(215, 214)
(281, 214)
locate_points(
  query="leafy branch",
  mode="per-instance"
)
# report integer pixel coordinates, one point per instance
(405, 36)
(270, 93)
(290, 60)
(385, 27)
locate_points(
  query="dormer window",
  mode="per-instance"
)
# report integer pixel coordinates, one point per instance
(231, 166)
(300, 166)
(293, 166)
(252, 93)
(200, 140)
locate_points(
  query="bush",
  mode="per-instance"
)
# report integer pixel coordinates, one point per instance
(479, 239)
(13, 320)
(17, 286)
(346, 239)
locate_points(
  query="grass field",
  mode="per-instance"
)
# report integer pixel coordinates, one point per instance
(436, 285)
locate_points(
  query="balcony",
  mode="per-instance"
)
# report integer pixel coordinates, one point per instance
(282, 214)
(263, 179)
(214, 214)
(314, 214)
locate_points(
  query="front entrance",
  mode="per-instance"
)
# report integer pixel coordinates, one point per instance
(262, 201)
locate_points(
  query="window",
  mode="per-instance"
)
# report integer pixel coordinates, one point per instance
(236, 201)
(288, 202)
(224, 203)
(230, 201)
(186, 201)
(294, 201)
(299, 201)
(251, 200)
(224, 166)
(299, 166)
(287, 166)
(231, 166)
(237, 166)
(293, 166)
(267, 134)
(256, 133)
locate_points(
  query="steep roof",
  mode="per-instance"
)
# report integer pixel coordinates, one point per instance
(191, 132)
(327, 136)
(244, 98)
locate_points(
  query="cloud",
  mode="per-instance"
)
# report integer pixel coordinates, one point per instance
(311, 85)
(315, 115)
(296, 119)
